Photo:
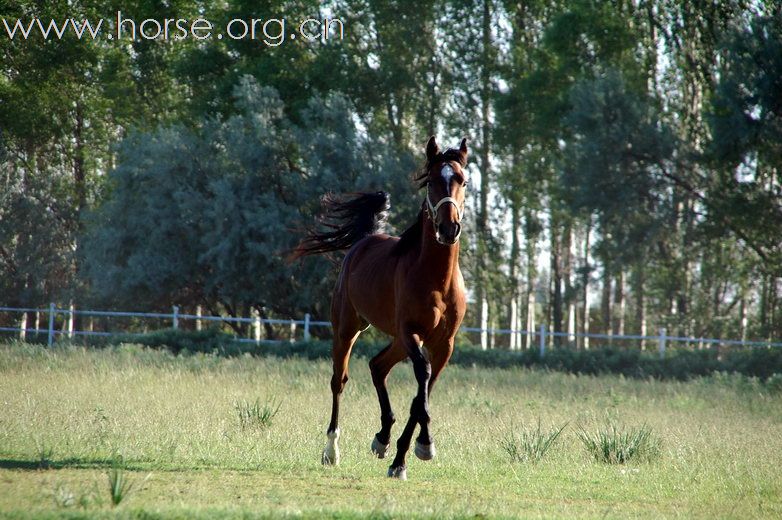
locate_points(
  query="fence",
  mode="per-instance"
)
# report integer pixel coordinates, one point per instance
(542, 335)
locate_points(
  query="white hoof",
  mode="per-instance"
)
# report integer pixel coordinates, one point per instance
(331, 451)
(425, 451)
(399, 473)
(380, 450)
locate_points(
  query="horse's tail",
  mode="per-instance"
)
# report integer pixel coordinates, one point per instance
(346, 221)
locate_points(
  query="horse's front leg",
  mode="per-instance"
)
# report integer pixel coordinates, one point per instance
(381, 365)
(419, 411)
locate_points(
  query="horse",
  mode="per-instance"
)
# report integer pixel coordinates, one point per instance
(409, 287)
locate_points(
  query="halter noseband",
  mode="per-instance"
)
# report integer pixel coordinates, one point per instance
(433, 208)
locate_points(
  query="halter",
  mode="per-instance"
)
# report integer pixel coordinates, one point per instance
(433, 212)
(433, 208)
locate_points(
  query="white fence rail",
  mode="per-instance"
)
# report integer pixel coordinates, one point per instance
(543, 335)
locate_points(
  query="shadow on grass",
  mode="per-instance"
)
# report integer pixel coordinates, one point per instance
(77, 463)
(84, 463)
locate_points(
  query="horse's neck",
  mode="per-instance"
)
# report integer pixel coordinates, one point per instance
(441, 260)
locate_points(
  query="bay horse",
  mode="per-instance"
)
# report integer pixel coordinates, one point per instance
(410, 287)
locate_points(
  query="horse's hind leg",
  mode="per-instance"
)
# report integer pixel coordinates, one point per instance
(381, 365)
(347, 325)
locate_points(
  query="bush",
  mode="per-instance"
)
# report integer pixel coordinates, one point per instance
(679, 364)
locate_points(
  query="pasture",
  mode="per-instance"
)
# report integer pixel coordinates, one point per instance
(186, 434)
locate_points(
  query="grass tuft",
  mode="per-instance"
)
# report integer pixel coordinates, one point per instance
(616, 445)
(530, 445)
(120, 485)
(256, 414)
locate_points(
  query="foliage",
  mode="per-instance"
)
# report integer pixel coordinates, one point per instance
(618, 150)
(636, 140)
(181, 225)
(746, 120)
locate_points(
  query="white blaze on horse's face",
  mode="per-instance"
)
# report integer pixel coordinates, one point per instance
(447, 173)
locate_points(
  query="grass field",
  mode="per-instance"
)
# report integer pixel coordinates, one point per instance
(172, 427)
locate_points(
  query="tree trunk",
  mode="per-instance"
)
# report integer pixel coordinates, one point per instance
(605, 299)
(619, 304)
(568, 256)
(513, 270)
(585, 287)
(531, 249)
(556, 279)
(79, 178)
(640, 300)
(483, 210)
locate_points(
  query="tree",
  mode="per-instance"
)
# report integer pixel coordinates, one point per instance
(206, 217)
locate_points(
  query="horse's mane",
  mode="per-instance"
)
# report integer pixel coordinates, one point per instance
(411, 237)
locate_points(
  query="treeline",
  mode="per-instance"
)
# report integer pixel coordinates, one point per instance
(625, 166)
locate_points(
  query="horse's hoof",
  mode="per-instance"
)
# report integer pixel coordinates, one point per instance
(379, 449)
(425, 451)
(331, 451)
(330, 459)
(400, 472)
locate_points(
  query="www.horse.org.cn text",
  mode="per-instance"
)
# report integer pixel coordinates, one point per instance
(271, 32)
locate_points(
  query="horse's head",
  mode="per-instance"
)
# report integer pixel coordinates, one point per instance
(445, 181)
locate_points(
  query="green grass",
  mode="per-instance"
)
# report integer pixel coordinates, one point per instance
(68, 414)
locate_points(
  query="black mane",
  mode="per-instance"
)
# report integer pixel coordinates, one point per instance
(411, 237)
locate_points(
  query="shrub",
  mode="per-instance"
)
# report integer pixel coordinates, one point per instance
(679, 364)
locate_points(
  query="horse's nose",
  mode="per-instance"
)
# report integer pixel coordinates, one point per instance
(449, 232)
(457, 232)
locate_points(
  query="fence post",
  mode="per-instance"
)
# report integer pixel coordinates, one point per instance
(661, 343)
(23, 327)
(542, 339)
(71, 319)
(51, 324)
(257, 326)
(175, 317)
(307, 327)
(293, 331)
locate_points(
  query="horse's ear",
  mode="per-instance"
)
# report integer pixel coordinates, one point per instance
(432, 149)
(463, 151)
